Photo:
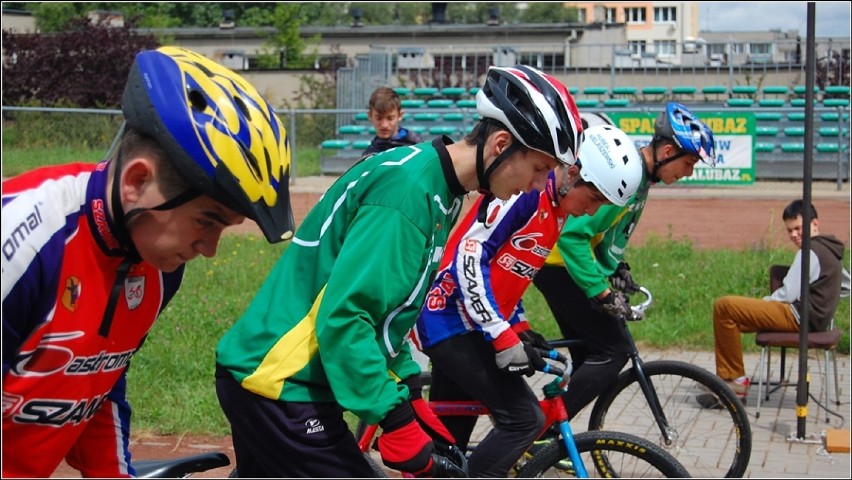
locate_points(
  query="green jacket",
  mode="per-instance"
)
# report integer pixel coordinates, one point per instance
(330, 321)
(591, 247)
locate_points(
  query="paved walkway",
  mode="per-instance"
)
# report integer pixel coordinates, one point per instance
(775, 452)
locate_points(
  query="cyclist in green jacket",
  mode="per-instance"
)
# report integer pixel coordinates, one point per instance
(326, 332)
(578, 291)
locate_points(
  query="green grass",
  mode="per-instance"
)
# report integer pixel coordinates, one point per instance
(171, 384)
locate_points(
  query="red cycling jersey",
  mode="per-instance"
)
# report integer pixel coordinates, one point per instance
(64, 360)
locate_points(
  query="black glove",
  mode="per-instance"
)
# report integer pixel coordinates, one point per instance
(535, 339)
(622, 280)
(521, 358)
(615, 305)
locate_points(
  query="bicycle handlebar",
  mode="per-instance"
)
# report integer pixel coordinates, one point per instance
(564, 371)
(639, 310)
(449, 462)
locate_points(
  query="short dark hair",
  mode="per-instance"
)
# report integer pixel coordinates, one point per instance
(797, 209)
(385, 99)
(135, 143)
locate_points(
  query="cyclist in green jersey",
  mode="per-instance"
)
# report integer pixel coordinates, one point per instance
(586, 293)
(326, 332)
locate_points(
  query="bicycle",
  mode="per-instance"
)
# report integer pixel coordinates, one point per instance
(607, 453)
(670, 412)
(181, 467)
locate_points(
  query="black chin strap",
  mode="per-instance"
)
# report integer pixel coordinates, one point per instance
(659, 164)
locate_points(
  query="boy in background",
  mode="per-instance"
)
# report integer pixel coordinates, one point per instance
(385, 113)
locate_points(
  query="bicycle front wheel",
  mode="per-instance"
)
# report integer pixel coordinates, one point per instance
(605, 454)
(711, 443)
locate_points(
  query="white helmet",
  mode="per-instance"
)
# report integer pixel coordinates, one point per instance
(609, 160)
(590, 119)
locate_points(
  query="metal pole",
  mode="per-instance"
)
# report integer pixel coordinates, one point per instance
(802, 386)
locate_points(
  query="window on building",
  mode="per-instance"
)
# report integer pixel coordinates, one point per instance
(610, 15)
(715, 48)
(637, 46)
(581, 15)
(634, 15)
(736, 48)
(665, 14)
(665, 48)
(759, 48)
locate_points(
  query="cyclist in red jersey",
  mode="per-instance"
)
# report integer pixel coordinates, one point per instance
(92, 253)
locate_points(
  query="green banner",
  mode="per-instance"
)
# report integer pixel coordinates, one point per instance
(734, 135)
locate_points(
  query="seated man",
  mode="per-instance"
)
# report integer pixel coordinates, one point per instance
(733, 315)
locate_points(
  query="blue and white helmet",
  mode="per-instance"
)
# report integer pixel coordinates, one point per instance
(689, 133)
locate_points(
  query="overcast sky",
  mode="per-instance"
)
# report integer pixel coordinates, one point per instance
(832, 18)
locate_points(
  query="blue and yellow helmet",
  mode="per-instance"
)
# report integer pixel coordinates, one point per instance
(224, 139)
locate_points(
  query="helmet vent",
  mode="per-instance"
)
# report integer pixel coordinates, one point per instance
(243, 108)
(197, 100)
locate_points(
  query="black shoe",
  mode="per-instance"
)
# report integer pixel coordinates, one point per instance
(709, 401)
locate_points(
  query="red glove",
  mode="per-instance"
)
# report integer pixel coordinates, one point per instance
(403, 445)
(427, 419)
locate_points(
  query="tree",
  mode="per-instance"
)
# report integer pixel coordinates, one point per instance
(84, 66)
(546, 12)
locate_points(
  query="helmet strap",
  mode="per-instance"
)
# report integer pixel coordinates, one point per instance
(566, 185)
(660, 163)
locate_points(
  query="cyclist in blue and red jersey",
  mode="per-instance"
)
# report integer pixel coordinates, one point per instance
(92, 253)
(585, 280)
(327, 331)
(472, 325)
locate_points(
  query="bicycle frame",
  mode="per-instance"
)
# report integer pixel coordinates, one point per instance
(552, 406)
(637, 365)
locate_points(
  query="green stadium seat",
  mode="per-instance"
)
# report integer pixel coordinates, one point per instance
(439, 103)
(402, 91)
(453, 91)
(764, 147)
(426, 117)
(361, 117)
(799, 102)
(654, 90)
(836, 102)
(425, 91)
(766, 131)
(352, 129)
(767, 116)
(714, 89)
(573, 90)
(595, 91)
(587, 102)
(771, 102)
(796, 116)
(829, 131)
(684, 90)
(775, 90)
(624, 90)
(828, 147)
(473, 91)
(453, 117)
(335, 144)
(794, 131)
(466, 103)
(442, 130)
(837, 90)
(793, 147)
(417, 128)
(371, 130)
(412, 103)
(740, 102)
(361, 144)
(801, 89)
(616, 102)
(743, 89)
(833, 116)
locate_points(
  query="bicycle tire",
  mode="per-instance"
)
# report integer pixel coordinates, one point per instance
(698, 431)
(607, 454)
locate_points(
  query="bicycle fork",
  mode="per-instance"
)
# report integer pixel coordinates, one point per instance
(650, 393)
